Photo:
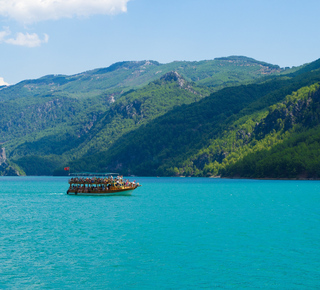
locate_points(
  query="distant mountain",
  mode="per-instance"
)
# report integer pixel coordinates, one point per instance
(269, 129)
(138, 117)
(33, 106)
(123, 76)
(74, 139)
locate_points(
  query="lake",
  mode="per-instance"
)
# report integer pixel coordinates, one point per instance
(172, 233)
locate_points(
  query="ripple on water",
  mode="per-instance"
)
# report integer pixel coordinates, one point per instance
(172, 233)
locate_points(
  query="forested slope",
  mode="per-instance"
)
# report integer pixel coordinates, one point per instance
(50, 104)
(123, 76)
(295, 125)
(199, 119)
(135, 108)
(212, 136)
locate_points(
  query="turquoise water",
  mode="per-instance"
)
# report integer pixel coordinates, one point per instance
(172, 233)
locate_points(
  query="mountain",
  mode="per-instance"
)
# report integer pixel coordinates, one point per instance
(34, 106)
(74, 140)
(144, 118)
(293, 128)
(224, 132)
(123, 76)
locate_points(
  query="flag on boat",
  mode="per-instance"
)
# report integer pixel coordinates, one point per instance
(67, 168)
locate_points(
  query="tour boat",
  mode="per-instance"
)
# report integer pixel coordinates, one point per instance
(96, 184)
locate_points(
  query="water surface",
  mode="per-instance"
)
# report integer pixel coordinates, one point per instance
(172, 233)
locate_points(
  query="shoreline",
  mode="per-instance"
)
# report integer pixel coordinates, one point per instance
(212, 177)
(271, 178)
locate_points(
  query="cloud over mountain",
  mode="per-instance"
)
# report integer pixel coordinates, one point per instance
(3, 83)
(30, 11)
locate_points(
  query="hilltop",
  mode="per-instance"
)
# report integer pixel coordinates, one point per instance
(143, 117)
(270, 129)
(123, 76)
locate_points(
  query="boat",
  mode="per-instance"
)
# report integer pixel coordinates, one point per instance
(96, 184)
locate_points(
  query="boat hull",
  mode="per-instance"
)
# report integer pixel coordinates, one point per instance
(120, 192)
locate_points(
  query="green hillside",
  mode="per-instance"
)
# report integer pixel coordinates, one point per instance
(293, 127)
(209, 137)
(123, 76)
(41, 106)
(144, 118)
(63, 143)
(58, 118)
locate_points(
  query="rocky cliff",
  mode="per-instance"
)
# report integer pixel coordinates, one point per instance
(5, 168)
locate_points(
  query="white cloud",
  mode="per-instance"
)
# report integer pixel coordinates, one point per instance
(3, 83)
(4, 33)
(29, 40)
(29, 11)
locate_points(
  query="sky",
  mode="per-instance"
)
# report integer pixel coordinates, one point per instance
(41, 37)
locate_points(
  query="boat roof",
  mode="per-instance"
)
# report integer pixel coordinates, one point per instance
(93, 174)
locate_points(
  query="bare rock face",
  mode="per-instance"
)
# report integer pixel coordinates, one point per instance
(5, 168)
(3, 157)
(173, 76)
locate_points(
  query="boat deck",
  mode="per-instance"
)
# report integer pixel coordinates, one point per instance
(101, 186)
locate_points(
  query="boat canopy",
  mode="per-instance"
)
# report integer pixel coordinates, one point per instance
(93, 174)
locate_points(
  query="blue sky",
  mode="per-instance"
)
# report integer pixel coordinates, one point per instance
(40, 37)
